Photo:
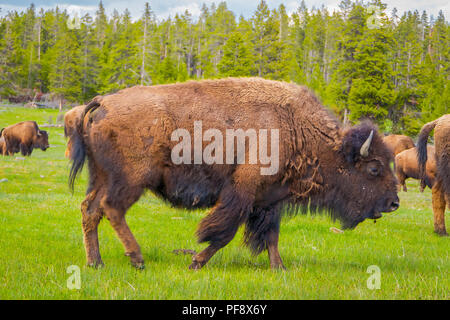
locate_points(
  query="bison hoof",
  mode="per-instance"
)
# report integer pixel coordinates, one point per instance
(136, 260)
(138, 265)
(95, 265)
(280, 267)
(196, 265)
(442, 233)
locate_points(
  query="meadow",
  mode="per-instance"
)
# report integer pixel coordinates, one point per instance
(40, 237)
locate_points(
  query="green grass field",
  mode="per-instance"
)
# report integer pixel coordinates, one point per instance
(41, 237)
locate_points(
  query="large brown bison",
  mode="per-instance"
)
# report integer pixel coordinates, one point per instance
(129, 140)
(407, 166)
(72, 120)
(441, 189)
(398, 143)
(24, 137)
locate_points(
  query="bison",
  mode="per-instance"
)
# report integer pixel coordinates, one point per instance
(71, 122)
(129, 138)
(398, 143)
(24, 137)
(407, 166)
(441, 188)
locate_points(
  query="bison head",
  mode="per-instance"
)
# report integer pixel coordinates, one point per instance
(42, 140)
(364, 185)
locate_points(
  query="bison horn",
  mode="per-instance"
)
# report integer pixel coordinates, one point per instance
(365, 147)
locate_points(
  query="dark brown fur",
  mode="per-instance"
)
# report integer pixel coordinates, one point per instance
(441, 189)
(126, 138)
(398, 143)
(24, 137)
(407, 166)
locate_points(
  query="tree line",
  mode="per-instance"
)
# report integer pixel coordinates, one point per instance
(362, 61)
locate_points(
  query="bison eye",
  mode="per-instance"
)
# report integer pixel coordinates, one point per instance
(373, 169)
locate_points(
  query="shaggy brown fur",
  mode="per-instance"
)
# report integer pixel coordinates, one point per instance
(126, 138)
(407, 166)
(398, 143)
(24, 137)
(72, 120)
(441, 189)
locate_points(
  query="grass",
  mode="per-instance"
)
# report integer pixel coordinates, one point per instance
(41, 237)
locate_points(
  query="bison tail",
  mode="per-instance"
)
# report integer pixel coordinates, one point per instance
(77, 156)
(78, 152)
(422, 155)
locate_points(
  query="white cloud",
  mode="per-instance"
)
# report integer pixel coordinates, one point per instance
(71, 8)
(193, 8)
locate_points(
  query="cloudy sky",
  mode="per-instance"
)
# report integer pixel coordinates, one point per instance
(164, 8)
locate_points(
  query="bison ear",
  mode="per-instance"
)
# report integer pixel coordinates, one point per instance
(39, 133)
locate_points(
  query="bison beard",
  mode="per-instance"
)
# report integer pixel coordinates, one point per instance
(323, 168)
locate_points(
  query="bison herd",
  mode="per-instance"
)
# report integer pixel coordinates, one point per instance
(127, 139)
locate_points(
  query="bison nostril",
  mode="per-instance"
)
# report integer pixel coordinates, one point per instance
(395, 205)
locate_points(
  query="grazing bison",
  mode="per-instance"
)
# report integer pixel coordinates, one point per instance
(24, 137)
(407, 166)
(129, 140)
(398, 143)
(71, 122)
(441, 188)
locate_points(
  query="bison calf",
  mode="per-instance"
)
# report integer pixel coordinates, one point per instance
(128, 139)
(407, 166)
(441, 188)
(24, 137)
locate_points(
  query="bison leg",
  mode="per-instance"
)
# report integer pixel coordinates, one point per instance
(272, 249)
(91, 216)
(261, 232)
(25, 149)
(221, 225)
(439, 209)
(116, 216)
(401, 179)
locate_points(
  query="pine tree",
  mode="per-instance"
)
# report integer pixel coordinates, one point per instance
(8, 62)
(146, 52)
(121, 69)
(90, 65)
(237, 59)
(372, 93)
(64, 74)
